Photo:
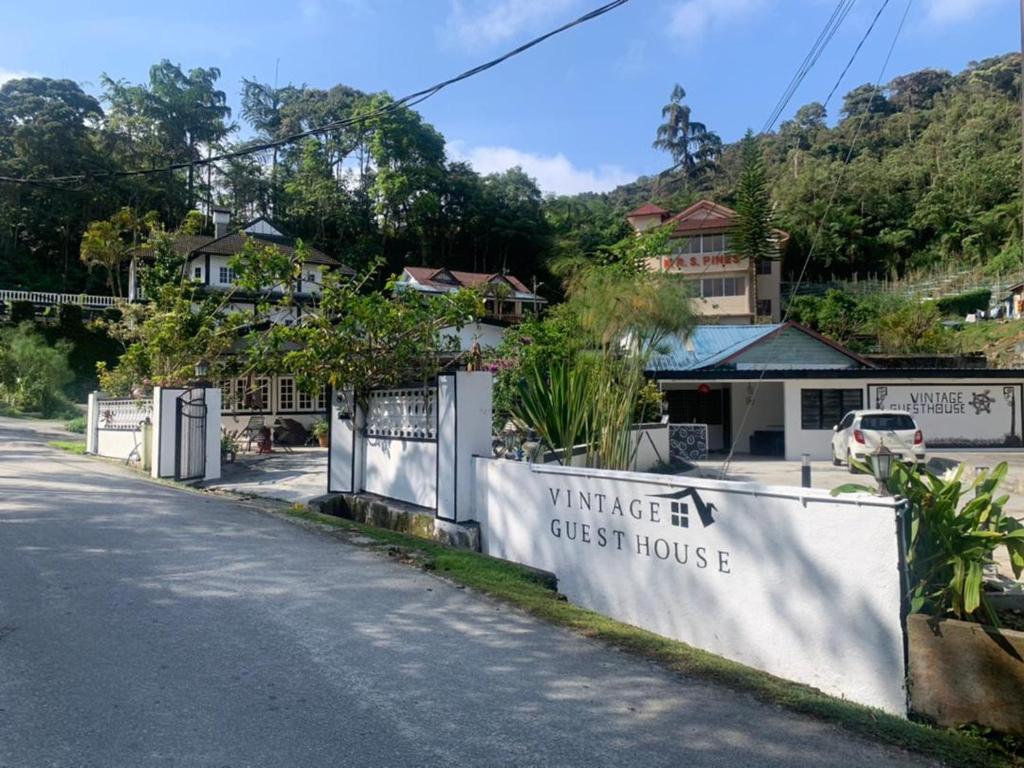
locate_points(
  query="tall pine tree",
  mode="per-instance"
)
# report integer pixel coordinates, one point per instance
(754, 234)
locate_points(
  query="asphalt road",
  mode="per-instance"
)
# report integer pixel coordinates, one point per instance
(142, 625)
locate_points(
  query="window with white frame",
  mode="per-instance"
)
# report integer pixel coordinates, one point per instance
(227, 276)
(226, 403)
(321, 399)
(197, 273)
(311, 277)
(286, 393)
(262, 400)
(305, 401)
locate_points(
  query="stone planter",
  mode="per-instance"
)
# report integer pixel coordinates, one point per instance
(962, 672)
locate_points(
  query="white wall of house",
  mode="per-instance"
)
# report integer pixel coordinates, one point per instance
(766, 404)
(945, 409)
(486, 335)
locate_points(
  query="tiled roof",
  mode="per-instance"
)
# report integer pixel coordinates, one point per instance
(708, 346)
(232, 243)
(647, 209)
(433, 277)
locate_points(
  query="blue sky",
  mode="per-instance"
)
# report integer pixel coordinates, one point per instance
(579, 112)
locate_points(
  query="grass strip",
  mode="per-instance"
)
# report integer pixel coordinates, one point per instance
(521, 588)
(71, 446)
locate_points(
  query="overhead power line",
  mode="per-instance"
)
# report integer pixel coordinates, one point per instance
(835, 21)
(832, 198)
(409, 100)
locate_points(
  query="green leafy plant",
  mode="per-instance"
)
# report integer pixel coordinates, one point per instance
(321, 428)
(955, 527)
(557, 403)
(76, 425)
(33, 374)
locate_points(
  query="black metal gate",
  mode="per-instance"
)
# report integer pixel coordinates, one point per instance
(190, 437)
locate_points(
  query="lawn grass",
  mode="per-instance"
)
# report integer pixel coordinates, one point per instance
(71, 446)
(522, 588)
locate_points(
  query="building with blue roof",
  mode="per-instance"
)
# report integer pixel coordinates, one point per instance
(779, 389)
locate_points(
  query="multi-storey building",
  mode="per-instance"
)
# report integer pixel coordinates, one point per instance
(727, 287)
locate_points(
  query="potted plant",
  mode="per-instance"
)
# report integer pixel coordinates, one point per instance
(321, 431)
(964, 666)
(228, 448)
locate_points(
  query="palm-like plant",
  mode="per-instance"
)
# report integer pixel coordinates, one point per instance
(557, 403)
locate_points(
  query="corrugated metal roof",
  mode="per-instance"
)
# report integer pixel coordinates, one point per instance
(707, 346)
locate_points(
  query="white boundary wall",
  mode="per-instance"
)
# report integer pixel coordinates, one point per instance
(117, 427)
(786, 580)
(434, 471)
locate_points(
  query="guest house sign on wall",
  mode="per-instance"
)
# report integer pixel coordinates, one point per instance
(983, 414)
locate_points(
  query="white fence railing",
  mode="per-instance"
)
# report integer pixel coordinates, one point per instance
(124, 414)
(402, 413)
(55, 299)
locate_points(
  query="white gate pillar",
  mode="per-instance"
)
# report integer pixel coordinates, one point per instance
(346, 463)
(464, 411)
(92, 423)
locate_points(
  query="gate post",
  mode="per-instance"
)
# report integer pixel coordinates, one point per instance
(464, 408)
(213, 404)
(346, 463)
(165, 430)
(92, 423)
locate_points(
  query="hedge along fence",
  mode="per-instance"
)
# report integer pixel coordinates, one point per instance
(965, 303)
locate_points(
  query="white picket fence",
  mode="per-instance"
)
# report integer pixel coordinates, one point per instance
(44, 298)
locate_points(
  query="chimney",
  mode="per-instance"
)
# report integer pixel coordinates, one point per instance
(221, 219)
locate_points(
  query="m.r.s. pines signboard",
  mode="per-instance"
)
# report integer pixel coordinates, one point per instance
(793, 582)
(980, 414)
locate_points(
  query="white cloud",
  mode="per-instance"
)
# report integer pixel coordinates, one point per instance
(690, 20)
(482, 23)
(14, 74)
(949, 11)
(554, 173)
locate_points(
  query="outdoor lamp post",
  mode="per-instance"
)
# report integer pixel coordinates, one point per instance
(881, 465)
(201, 369)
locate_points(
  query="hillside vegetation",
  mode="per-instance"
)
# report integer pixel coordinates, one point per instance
(934, 178)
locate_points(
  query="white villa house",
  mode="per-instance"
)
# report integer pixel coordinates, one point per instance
(274, 399)
(727, 287)
(507, 300)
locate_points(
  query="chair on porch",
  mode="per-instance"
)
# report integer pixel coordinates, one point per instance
(252, 430)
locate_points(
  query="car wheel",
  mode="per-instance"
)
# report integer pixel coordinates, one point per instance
(835, 459)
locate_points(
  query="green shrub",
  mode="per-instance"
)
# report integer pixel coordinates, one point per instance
(22, 311)
(964, 303)
(77, 425)
(33, 374)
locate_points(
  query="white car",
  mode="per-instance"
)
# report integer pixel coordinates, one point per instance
(861, 434)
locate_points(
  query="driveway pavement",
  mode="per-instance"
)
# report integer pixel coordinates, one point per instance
(143, 625)
(297, 475)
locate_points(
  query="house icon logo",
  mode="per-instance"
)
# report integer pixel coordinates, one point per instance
(680, 507)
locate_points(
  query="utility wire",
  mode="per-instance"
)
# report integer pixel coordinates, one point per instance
(831, 201)
(409, 100)
(835, 21)
(832, 25)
